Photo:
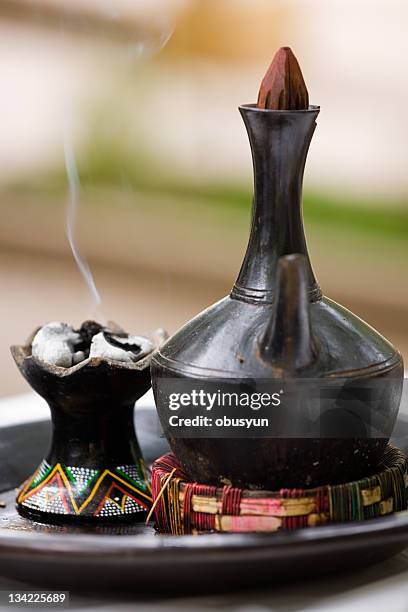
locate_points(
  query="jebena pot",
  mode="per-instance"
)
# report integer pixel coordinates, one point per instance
(276, 325)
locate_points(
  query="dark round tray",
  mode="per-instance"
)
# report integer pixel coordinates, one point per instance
(135, 557)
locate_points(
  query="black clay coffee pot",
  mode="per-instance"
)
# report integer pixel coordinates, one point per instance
(277, 325)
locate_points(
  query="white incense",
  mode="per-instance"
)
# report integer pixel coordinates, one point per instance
(101, 347)
(55, 344)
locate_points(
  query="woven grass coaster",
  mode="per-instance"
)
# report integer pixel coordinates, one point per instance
(182, 507)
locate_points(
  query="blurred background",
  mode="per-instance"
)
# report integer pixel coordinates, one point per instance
(124, 113)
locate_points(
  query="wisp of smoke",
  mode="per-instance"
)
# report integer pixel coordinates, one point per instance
(71, 218)
(150, 41)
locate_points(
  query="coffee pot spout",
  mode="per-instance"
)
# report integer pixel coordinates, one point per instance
(287, 341)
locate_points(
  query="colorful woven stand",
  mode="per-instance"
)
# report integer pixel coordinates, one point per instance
(182, 507)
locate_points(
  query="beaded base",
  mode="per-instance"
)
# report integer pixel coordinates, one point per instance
(85, 493)
(182, 507)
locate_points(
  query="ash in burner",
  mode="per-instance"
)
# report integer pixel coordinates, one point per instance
(61, 345)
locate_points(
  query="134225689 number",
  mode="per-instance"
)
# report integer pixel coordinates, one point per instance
(51, 598)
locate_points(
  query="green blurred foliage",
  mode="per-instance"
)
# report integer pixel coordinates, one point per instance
(115, 165)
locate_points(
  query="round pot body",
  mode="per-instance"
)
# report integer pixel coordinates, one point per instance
(338, 424)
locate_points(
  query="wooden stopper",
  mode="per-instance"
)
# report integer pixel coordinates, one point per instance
(283, 86)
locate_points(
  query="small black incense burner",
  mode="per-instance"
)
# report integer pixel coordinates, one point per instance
(276, 325)
(94, 469)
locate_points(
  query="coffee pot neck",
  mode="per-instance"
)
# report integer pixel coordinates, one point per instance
(279, 143)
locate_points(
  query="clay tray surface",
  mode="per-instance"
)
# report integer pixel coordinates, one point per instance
(136, 557)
